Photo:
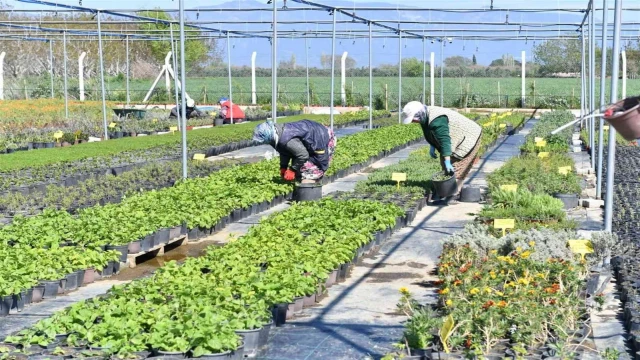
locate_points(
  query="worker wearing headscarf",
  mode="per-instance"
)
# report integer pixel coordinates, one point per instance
(306, 147)
(455, 137)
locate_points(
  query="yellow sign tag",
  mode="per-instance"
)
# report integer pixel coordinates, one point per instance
(541, 143)
(399, 177)
(198, 157)
(543, 155)
(504, 224)
(582, 247)
(445, 332)
(538, 139)
(605, 128)
(173, 128)
(502, 126)
(58, 135)
(155, 120)
(490, 123)
(510, 187)
(112, 125)
(564, 170)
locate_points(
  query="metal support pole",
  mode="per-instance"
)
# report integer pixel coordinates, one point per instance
(399, 76)
(611, 159)
(432, 74)
(592, 83)
(66, 95)
(274, 63)
(523, 76)
(442, 72)
(51, 66)
(306, 57)
(104, 100)
(370, 79)
(623, 57)
(603, 88)
(128, 72)
(229, 71)
(424, 70)
(174, 52)
(333, 66)
(582, 76)
(183, 92)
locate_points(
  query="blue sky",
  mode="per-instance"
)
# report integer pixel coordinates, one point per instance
(385, 50)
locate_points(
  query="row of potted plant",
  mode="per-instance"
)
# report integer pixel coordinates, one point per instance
(553, 143)
(20, 171)
(282, 261)
(495, 125)
(103, 189)
(201, 203)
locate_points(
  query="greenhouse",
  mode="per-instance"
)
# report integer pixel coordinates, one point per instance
(298, 180)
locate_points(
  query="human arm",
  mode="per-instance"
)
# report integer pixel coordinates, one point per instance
(297, 152)
(439, 130)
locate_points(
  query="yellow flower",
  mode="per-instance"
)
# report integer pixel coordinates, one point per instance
(525, 254)
(540, 275)
(492, 274)
(493, 252)
(487, 290)
(523, 281)
(449, 302)
(499, 293)
(518, 249)
(444, 291)
(532, 243)
(404, 290)
(474, 291)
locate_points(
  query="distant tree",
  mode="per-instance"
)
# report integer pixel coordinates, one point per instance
(197, 51)
(457, 61)
(474, 60)
(412, 67)
(291, 64)
(558, 56)
(325, 62)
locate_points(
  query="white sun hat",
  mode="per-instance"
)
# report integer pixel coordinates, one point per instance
(414, 110)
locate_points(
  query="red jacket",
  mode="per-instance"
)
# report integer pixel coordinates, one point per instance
(237, 112)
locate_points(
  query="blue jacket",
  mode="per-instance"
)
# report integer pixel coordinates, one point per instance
(314, 137)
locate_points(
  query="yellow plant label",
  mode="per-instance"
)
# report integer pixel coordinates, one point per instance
(509, 187)
(581, 247)
(541, 143)
(112, 125)
(58, 135)
(564, 170)
(155, 120)
(198, 157)
(445, 332)
(399, 176)
(605, 128)
(502, 126)
(490, 123)
(543, 155)
(504, 223)
(538, 139)
(173, 128)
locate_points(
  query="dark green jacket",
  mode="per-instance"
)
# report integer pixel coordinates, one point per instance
(437, 134)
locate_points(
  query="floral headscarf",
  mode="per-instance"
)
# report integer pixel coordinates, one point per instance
(265, 133)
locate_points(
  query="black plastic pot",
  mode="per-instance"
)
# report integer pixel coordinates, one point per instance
(174, 232)
(49, 145)
(27, 295)
(6, 302)
(37, 293)
(218, 122)
(570, 201)
(307, 192)
(470, 194)
(107, 270)
(162, 236)
(80, 275)
(174, 355)
(223, 355)
(251, 341)
(444, 188)
(72, 282)
(193, 234)
(122, 249)
(147, 242)
(134, 247)
(279, 312)
(50, 288)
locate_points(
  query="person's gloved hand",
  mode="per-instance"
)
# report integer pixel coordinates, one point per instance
(449, 168)
(432, 152)
(282, 171)
(289, 175)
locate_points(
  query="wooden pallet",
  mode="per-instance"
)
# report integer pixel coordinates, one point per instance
(156, 250)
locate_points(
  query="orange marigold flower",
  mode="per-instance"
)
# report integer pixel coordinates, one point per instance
(444, 291)
(457, 282)
(488, 304)
(502, 303)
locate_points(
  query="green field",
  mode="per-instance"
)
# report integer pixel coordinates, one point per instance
(475, 92)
